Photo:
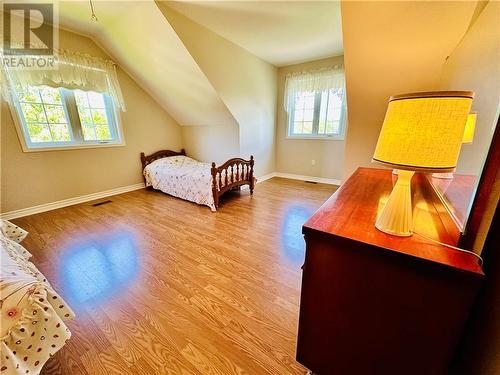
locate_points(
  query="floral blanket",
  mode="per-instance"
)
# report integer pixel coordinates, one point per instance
(33, 314)
(182, 177)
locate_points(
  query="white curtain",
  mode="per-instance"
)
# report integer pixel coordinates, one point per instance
(73, 70)
(313, 81)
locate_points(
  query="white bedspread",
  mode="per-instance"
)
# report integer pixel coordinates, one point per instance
(182, 177)
(33, 314)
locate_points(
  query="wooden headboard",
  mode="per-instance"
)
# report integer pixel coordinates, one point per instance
(148, 159)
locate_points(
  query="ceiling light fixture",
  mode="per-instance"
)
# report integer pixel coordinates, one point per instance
(93, 17)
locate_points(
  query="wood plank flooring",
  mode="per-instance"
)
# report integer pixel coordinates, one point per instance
(164, 286)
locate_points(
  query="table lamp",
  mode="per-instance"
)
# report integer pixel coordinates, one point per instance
(470, 127)
(421, 132)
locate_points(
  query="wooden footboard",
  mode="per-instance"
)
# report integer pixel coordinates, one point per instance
(233, 173)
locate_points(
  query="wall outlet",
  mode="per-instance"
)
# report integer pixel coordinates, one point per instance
(313, 162)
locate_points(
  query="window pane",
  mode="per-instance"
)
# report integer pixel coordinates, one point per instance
(303, 113)
(55, 114)
(88, 132)
(308, 127)
(43, 114)
(330, 112)
(35, 132)
(304, 100)
(28, 94)
(297, 127)
(96, 100)
(322, 113)
(85, 116)
(102, 132)
(33, 112)
(81, 99)
(308, 115)
(93, 116)
(309, 101)
(39, 133)
(60, 132)
(334, 113)
(333, 127)
(321, 127)
(299, 101)
(50, 95)
(99, 116)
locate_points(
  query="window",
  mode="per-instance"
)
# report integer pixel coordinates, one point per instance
(94, 116)
(315, 103)
(58, 117)
(316, 114)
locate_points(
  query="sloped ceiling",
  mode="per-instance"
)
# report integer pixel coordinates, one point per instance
(137, 35)
(280, 32)
(142, 41)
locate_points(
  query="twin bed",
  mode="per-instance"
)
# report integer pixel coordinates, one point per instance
(176, 174)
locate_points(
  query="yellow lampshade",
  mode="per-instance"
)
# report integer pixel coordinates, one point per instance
(424, 131)
(470, 127)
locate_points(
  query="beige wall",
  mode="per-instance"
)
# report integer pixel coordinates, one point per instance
(245, 83)
(295, 155)
(34, 178)
(475, 66)
(211, 143)
(392, 48)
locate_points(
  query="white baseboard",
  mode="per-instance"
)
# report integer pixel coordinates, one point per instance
(69, 202)
(107, 193)
(321, 180)
(260, 179)
(266, 177)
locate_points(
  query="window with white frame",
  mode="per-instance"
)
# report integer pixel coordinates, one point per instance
(74, 105)
(58, 117)
(315, 103)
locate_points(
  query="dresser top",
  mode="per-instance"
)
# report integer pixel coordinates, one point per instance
(352, 211)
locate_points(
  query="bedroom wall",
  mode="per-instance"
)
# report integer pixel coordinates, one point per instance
(392, 48)
(475, 66)
(211, 143)
(294, 155)
(245, 83)
(29, 179)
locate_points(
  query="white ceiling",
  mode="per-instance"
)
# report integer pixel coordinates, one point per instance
(138, 37)
(279, 32)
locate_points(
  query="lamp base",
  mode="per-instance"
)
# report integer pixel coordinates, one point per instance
(396, 217)
(446, 176)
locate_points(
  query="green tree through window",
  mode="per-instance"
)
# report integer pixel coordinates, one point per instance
(55, 117)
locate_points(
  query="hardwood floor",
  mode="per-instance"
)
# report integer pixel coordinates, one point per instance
(164, 286)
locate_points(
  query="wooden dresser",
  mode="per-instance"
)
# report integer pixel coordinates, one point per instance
(372, 303)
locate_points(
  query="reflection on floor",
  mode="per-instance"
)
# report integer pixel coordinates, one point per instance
(292, 241)
(93, 272)
(164, 286)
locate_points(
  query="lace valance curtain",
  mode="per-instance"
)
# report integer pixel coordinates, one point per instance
(73, 71)
(313, 81)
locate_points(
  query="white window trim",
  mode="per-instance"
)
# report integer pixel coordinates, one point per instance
(26, 146)
(324, 137)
